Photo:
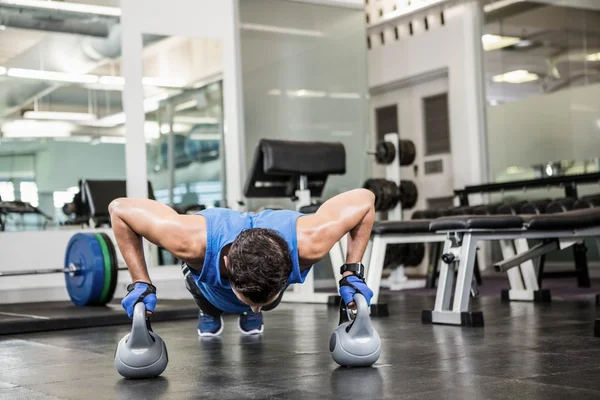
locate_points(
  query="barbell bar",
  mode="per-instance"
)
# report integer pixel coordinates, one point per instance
(72, 269)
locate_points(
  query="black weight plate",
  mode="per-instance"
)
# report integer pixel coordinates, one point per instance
(408, 152)
(416, 253)
(385, 152)
(376, 189)
(396, 254)
(394, 193)
(382, 188)
(389, 194)
(408, 194)
(115, 266)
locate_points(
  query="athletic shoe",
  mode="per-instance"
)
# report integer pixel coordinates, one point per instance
(209, 325)
(251, 323)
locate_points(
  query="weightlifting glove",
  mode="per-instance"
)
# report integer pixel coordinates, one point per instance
(351, 284)
(140, 291)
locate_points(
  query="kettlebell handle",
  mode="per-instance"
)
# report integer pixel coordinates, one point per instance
(140, 327)
(347, 314)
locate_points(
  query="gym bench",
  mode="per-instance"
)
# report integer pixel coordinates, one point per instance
(462, 234)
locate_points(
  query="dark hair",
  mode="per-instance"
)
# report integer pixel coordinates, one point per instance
(259, 264)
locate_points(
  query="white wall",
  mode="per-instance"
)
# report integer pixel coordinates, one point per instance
(454, 48)
(560, 126)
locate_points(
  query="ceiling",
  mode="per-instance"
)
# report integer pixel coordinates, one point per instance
(555, 43)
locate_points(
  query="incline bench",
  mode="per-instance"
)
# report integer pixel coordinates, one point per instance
(461, 235)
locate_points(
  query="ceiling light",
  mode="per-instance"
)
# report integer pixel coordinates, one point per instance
(52, 75)
(281, 30)
(306, 93)
(61, 116)
(274, 92)
(25, 128)
(109, 121)
(518, 76)
(593, 57)
(78, 139)
(524, 43)
(342, 95)
(2, 70)
(495, 42)
(160, 82)
(195, 120)
(68, 7)
(111, 80)
(113, 139)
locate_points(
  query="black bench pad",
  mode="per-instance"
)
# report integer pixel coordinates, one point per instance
(391, 227)
(489, 222)
(577, 219)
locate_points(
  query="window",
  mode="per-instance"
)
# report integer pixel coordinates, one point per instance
(437, 124)
(29, 193)
(7, 191)
(61, 198)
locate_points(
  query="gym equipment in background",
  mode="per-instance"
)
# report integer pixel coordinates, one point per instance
(90, 269)
(355, 343)
(298, 171)
(141, 354)
(394, 195)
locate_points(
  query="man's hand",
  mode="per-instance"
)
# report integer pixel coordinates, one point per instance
(140, 291)
(351, 284)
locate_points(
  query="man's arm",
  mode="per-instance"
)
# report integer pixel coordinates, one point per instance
(134, 219)
(351, 212)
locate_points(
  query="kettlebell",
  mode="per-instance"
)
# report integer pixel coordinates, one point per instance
(355, 343)
(141, 353)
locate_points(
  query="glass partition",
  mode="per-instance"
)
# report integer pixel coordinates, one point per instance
(184, 129)
(542, 70)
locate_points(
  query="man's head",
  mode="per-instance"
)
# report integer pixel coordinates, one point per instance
(258, 265)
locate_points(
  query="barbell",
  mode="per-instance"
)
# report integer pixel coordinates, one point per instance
(385, 152)
(388, 193)
(406, 254)
(90, 269)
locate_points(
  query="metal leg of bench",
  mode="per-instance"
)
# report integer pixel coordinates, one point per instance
(434, 262)
(459, 314)
(523, 280)
(445, 283)
(466, 268)
(514, 274)
(476, 270)
(581, 265)
(375, 267)
(530, 279)
(541, 268)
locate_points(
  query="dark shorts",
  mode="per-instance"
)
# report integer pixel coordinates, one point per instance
(205, 305)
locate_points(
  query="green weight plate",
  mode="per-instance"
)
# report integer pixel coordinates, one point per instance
(114, 264)
(85, 286)
(107, 270)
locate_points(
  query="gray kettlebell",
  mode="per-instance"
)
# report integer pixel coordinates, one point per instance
(141, 353)
(355, 343)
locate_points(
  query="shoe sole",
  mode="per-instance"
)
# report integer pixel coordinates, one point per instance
(252, 332)
(210, 334)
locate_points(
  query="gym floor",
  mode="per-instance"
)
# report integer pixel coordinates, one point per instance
(525, 351)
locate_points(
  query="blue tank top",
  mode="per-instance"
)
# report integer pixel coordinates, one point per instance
(222, 227)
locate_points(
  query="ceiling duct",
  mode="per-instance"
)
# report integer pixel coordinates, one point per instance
(81, 43)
